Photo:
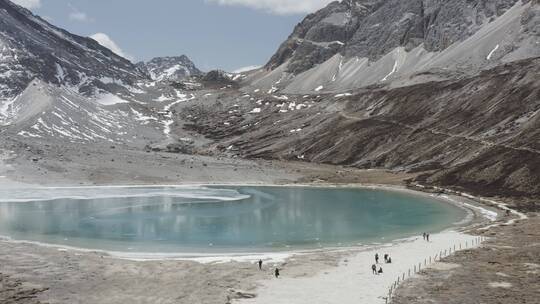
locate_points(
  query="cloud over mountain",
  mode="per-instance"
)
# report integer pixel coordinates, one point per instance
(282, 7)
(107, 42)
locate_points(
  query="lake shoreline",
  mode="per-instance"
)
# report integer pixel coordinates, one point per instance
(70, 276)
(270, 255)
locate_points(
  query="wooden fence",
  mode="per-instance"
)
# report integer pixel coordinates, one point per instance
(428, 261)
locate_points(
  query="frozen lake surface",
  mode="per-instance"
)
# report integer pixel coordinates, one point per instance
(218, 219)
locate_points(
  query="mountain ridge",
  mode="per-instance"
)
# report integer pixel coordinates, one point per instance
(33, 48)
(391, 42)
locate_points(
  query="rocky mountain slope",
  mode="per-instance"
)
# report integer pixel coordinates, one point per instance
(169, 68)
(62, 87)
(357, 43)
(480, 134)
(32, 48)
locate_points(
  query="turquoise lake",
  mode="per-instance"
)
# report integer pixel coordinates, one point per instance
(218, 219)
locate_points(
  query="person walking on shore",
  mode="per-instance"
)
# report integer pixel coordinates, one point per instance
(386, 258)
(424, 236)
(427, 237)
(376, 258)
(276, 273)
(260, 264)
(374, 268)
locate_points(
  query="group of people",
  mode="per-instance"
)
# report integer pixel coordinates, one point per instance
(276, 271)
(387, 260)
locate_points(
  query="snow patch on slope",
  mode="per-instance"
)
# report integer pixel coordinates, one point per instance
(492, 52)
(109, 99)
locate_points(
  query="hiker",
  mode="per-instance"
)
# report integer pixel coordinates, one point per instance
(380, 270)
(260, 264)
(374, 268)
(276, 273)
(386, 258)
(376, 258)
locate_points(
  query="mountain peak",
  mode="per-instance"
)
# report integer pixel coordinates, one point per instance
(170, 68)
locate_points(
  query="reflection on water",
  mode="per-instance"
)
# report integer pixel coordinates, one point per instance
(170, 219)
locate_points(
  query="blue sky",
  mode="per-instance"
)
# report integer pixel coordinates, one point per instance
(227, 34)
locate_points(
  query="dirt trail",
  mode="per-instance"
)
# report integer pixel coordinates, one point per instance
(437, 132)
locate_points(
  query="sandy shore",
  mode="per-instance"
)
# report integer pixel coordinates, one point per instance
(353, 281)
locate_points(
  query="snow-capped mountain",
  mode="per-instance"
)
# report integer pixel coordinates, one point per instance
(31, 48)
(356, 43)
(173, 69)
(55, 85)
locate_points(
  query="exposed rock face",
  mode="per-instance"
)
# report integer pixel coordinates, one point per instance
(372, 28)
(32, 48)
(321, 35)
(170, 68)
(435, 24)
(356, 43)
(219, 79)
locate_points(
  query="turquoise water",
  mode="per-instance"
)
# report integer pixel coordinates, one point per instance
(218, 219)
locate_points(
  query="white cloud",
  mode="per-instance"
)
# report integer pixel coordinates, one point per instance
(281, 7)
(107, 42)
(78, 16)
(30, 4)
(247, 69)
